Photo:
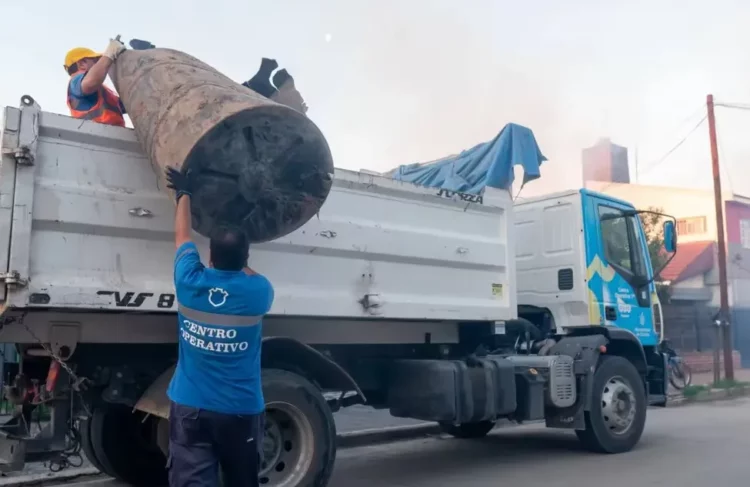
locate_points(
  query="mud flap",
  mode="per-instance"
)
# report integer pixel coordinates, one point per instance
(658, 380)
(585, 350)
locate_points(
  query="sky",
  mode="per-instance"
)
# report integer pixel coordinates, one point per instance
(393, 83)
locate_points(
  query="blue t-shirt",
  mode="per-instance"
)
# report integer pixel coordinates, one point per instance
(80, 101)
(220, 316)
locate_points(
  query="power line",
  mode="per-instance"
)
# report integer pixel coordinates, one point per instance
(736, 106)
(667, 154)
(677, 145)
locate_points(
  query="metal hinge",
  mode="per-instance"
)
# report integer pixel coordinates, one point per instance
(13, 278)
(22, 155)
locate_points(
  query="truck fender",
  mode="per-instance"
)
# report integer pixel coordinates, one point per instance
(584, 345)
(276, 352)
(294, 356)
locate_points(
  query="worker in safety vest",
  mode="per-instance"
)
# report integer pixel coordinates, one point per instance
(88, 98)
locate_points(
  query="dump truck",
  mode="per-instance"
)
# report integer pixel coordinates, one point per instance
(446, 307)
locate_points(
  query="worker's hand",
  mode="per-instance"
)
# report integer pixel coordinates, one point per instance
(180, 182)
(114, 49)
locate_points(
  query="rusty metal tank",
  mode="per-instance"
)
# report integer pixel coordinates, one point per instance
(260, 166)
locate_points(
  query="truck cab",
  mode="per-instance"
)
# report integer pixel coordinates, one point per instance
(583, 260)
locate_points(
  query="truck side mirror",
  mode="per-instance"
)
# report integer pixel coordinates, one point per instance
(670, 237)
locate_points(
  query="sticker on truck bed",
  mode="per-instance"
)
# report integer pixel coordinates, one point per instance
(497, 291)
(132, 299)
(469, 198)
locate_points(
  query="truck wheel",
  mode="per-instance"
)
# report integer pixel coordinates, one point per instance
(88, 448)
(299, 446)
(468, 430)
(618, 408)
(123, 445)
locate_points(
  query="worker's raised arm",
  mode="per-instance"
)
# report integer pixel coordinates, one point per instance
(181, 184)
(182, 222)
(188, 268)
(95, 76)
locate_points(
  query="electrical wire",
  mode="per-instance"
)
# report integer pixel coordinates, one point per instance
(736, 106)
(677, 145)
(654, 165)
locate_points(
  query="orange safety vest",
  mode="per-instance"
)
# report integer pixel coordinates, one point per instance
(106, 110)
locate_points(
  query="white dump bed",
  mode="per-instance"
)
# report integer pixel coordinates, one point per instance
(85, 225)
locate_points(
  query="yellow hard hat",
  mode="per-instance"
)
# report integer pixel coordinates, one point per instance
(78, 53)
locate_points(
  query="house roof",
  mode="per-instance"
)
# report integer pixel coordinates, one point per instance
(692, 259)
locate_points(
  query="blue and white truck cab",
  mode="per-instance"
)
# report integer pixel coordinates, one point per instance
(583, 258)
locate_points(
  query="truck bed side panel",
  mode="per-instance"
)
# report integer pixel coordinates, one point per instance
(101, 238)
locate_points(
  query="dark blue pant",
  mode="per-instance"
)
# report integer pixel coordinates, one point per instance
(201, 441)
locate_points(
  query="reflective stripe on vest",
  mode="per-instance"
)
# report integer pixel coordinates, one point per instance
(106, 110)
(218, 319)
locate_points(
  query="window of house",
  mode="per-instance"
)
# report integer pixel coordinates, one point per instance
(745, 233)
(695, 225)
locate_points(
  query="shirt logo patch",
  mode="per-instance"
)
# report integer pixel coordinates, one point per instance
(217, 297)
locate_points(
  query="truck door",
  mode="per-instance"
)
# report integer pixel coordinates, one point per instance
(619, 267)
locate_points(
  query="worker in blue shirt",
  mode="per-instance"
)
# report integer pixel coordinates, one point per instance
(216, 397)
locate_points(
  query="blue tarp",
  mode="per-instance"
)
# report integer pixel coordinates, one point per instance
(487, 164)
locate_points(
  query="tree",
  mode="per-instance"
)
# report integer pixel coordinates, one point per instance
(653, 227)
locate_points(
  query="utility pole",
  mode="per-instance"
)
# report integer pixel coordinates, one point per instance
(723, 291)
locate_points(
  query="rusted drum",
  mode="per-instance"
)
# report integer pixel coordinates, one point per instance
(260, 166)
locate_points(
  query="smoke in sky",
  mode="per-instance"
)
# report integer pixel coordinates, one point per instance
(392, 82)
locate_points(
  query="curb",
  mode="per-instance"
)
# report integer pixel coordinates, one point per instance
(711, 395)
(351, 439)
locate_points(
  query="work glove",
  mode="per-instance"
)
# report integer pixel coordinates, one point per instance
(180, 182)
(114, 49)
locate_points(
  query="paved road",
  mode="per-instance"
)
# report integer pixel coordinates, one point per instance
(363, 418)
(693, 446)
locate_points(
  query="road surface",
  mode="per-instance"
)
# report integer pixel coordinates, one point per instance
(693, 446)
(355, 418)
(362, 418)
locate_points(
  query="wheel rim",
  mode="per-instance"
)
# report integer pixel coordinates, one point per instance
(618, 406)
(288, 446)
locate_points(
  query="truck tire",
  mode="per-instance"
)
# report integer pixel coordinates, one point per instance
(88, 447)
(124, 447)
(468, 430)
(617, 417)
(299, 447)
